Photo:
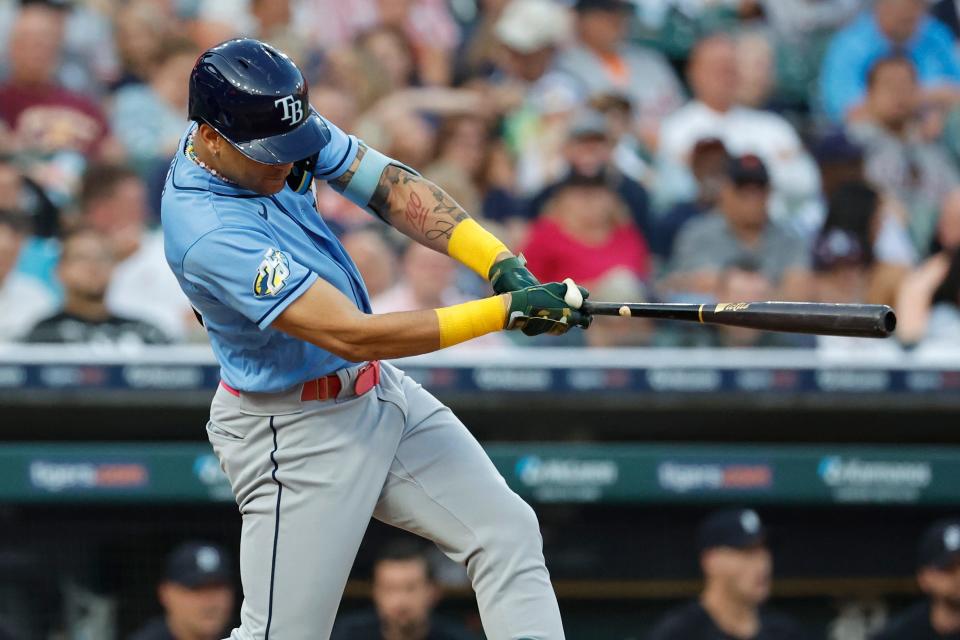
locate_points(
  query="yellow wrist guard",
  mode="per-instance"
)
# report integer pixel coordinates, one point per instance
(462, 322)
(475, 247)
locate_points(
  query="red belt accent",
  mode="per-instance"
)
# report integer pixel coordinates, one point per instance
(329, 386)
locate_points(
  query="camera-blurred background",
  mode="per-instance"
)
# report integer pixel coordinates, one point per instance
(686, 478)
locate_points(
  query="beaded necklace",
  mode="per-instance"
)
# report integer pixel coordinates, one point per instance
(191, 153)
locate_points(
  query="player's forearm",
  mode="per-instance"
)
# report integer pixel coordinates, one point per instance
(324, 317)
(418, 208)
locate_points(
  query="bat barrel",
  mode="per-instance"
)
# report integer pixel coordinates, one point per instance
(858, 320)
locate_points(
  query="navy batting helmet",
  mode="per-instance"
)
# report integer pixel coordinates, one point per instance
(255, 96)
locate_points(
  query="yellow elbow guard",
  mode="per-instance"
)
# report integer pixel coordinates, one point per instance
(462, 322)
(475, 247)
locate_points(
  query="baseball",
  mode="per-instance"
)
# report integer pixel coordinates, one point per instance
(624, 311)
(572, 297)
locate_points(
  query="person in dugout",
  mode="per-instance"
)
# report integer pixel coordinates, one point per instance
(737, 569)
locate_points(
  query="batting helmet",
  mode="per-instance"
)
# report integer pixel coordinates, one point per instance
(256, 98)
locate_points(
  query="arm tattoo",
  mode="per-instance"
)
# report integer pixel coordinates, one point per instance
(428, 211)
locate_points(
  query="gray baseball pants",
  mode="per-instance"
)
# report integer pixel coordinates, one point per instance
(308, 476)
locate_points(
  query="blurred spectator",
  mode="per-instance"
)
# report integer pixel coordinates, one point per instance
(197, 595)
(928, 303)
(612, 331)
(529, 33)
(856, 209)
(584, 233)
(427, 24)
(938, 574)
(740, 228)
(51, 123)
(273, 23)
(708, 163)
(947, 12)
(148, 119)
(797, 21)
(536, 100)
(628, 155)
(602, 61)
(404, 596)
(19, 192)
(140, 29)
(588, 154)
(374, 258)
(948, 224)
(917, 172)
(713, 113)
(428, 280)
(86, 264)
(24, 299)
(34, 53)
(464, 164)
(842, 165)
(756, 69)
(738, 572)
(889, 27)
(113, 201)
(840, 161)
(743, 281)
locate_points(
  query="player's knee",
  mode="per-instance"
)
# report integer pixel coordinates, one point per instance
(519, 530)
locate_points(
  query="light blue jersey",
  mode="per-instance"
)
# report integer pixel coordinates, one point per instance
(242, 258)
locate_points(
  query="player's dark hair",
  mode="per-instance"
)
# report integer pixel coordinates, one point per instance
(896, 58)
(405, 550)
(101, 181)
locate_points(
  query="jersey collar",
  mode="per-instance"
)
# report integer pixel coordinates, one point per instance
(186, 174)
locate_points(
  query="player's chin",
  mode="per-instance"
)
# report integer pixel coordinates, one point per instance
(271, 186)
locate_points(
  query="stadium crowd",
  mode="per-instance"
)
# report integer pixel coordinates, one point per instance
(675, 150)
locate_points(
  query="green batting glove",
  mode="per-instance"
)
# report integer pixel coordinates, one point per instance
(541, 309)
(511, 275)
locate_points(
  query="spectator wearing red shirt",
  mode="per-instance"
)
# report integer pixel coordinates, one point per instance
(44, 117)
(586, 233)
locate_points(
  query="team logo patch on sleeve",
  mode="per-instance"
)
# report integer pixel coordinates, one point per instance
(272, 274)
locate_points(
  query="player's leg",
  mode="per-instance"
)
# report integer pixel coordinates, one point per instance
(443, 486)
(306, 484)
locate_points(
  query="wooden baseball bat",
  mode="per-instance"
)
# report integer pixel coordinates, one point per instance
(859, 320)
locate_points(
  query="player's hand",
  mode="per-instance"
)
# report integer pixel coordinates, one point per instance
(548, 308)
(511, 275)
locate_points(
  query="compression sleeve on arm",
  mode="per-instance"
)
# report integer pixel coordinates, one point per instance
(475, 247)
(469, 320)
(364, 182)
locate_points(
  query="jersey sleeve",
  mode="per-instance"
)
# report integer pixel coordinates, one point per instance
(245, 270)
(337, 156)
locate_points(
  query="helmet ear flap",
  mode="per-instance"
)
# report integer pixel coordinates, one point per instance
(301, 175)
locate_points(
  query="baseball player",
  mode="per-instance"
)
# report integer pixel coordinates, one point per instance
(737, 570)
(937, 617)
(315, 433)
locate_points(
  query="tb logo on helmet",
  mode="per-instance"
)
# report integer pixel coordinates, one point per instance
(292, 109)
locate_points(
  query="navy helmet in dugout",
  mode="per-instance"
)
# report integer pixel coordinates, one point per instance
(257, 99)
